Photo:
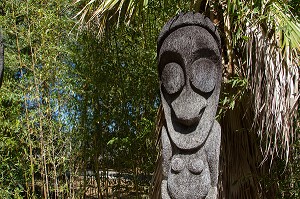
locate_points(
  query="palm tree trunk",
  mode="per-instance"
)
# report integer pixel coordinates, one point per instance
(241, 174)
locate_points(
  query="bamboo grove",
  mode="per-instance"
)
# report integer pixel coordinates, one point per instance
(79, 101)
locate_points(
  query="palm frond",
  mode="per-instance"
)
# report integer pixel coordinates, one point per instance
(286, 25)
(108, 12)
(272, 65)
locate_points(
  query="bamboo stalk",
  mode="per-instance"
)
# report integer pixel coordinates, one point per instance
(27, 119)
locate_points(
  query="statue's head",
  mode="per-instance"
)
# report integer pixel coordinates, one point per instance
(189, 65)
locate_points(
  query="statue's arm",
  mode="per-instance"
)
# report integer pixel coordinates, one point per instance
(213, 153)
(166, 158)
(166, 151)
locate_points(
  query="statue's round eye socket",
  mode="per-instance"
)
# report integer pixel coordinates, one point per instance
(172, 77)
(203, 75)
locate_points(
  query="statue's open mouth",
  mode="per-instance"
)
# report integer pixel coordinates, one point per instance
(186, 126)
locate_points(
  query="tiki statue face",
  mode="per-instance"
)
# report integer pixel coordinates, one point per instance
(190, 75)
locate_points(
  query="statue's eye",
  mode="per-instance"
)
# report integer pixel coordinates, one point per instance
(203, 75)
(172, 77)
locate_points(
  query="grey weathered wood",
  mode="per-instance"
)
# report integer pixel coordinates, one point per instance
(189, 65)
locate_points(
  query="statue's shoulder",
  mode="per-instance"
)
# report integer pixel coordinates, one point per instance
(214, 137)
(216, 127)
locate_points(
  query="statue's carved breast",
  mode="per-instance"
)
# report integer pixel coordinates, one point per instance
(189, 169)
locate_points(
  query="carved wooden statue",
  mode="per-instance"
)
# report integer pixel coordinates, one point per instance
(189, 55)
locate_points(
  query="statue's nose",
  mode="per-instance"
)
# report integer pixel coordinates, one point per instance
(188, 107)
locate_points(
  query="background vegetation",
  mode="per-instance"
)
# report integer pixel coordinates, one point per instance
(79, 100)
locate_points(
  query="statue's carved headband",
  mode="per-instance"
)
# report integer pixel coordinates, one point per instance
(188, 19)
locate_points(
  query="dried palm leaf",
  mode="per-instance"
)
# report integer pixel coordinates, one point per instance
(107, 12)
(273, 72)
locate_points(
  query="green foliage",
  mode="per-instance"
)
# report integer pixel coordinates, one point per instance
(119, 100)
(232, 92)
(32, 151)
